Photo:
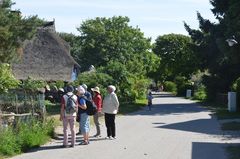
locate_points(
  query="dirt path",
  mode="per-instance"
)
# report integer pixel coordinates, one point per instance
(176, 128)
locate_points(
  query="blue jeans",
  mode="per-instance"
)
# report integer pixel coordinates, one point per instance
(84, 123)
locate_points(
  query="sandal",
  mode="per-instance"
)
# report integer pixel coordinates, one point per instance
(84, 143)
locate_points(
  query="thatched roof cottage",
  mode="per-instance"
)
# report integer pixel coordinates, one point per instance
(46, 57)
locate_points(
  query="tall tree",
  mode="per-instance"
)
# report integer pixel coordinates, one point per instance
(75, 43)
(177, 57)
(14, 29)
(221, 60)
(111, 39)
(119, 50)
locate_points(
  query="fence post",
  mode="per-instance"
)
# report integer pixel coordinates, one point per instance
(232, 106)
(189, 93)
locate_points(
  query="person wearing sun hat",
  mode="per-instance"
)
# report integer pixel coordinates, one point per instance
(110, 109)
(97, 99)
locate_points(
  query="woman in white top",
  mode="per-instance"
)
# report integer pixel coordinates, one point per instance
(110, 109)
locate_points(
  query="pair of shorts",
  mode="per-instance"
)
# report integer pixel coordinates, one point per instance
(84, 123)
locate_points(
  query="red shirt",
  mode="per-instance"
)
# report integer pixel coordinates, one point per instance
(97, 99)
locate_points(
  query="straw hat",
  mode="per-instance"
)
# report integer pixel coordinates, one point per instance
(96, 89)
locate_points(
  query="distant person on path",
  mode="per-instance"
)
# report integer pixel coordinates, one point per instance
(149, 98)
(110, 109)
(68, 114)
(84, 118)
(161, 88)
(97, 99)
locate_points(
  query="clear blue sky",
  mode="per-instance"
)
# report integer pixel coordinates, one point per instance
(153, 17)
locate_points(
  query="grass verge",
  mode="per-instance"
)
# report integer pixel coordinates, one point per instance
(233, 152)
(221, 111)
(53, 111)
(231, 126)
(132, 107)
(22, 137)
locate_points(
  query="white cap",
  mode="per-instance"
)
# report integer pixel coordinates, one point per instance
(81, 90)
(112, 87)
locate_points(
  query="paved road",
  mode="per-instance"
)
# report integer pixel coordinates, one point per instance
(176, 128)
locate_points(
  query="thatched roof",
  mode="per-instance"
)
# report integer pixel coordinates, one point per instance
(45, 57)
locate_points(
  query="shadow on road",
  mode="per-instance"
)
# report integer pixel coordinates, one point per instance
(206, 150)
(175, 109)
(59, 144)
(204, 126)
(43, 148)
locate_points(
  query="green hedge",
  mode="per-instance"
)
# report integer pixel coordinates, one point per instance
(236, 88)
(170, 87)
(200, 93)
(25, 136)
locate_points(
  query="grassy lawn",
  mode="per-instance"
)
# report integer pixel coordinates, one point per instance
(232, 126)
(223, 113)
(53, 111)
(132, 107)
(233, 152)
(52, 108)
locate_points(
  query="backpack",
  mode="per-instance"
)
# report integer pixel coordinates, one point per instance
(71, 105)
(91, 108)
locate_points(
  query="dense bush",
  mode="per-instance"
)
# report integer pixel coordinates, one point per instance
(7, 80)
(130, 86)
(24, 136)
(200, 93)
(236, 88)
(8, 142)
(31, 84)
(182, 85)
(212, 87)
(93, 79)
(170, 87)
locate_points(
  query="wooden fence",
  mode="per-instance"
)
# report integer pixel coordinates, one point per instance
(18, 105)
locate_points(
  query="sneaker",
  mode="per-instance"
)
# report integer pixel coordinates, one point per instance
(114, 138)
(72, 146)
(84, 143)
(97, 135)
(64, 146)
(108, 137)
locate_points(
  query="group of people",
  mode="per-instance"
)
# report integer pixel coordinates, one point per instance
(107, 107)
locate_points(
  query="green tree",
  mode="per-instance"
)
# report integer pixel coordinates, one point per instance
(177, 56)
(93, 79)
(111, 39)
(14, 29)
(221, 60)
(75, 43)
